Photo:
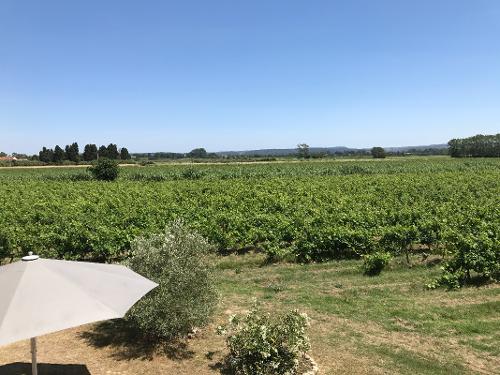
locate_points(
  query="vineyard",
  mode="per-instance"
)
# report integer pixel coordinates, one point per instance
(300, 211)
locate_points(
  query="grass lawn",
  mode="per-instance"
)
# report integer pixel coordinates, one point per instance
(389, 323)
(360, 325)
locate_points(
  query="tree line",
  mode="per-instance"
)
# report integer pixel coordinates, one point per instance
(477, 146)
(90, 152)
(304, 152)
(197, 153)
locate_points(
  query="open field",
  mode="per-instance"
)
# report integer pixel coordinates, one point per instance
(360, 325)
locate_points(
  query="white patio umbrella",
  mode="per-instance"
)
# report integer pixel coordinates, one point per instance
(40, 296)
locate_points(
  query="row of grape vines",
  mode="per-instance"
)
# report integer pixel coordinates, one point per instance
(293, 210)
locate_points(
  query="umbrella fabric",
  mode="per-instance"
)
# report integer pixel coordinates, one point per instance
(41, 296)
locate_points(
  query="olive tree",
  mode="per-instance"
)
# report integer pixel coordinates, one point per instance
(186, 297)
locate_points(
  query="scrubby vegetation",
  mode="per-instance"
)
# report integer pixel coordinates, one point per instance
(185, 297)
(264, 344)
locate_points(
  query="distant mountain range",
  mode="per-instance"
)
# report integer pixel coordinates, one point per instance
(326, 150)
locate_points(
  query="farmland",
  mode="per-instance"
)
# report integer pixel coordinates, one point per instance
(300, 211)
(290, 234)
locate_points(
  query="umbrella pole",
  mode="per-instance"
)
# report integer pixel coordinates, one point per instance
(34, 368)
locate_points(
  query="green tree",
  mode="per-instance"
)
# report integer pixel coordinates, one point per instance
(303, 151)
(103, 152)
(58, 155)
(378, 152)
(90, 152)
(112, 151)
(198, 153)
(124, 155)
(72, 152)
(477, 146)
(46, 155)
(178, 261)
(2, 154)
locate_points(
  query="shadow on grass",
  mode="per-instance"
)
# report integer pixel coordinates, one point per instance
(20, 368)
(478, 281)
(130, 343)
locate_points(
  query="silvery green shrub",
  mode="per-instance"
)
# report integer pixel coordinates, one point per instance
(186, 296)
(264, 344)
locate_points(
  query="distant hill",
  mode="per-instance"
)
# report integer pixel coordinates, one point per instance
(285, 151)
(275, 152)
(408, 148)
(326, 150)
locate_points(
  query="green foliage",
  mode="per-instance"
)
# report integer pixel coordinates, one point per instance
(124, 154)
(112, 151)
(303, 151)
(333, 242)
(192, 174)
(474, 254)
(476, 146)
(105, 170)
(198, 153)
(374, 263)
(103, 152)
(311, 211)
(186, 296)
(398, 239)
(72, 152)
(266, 344)
(378, 152)
(46, 155)
(58, 155)
(90, 152)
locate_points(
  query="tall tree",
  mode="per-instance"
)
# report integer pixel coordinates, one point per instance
(90, 152)
(103, 152)
(46, 155)
(58, 155)
(124, 155)
(73, 152)
(303, 151)
(112, 151)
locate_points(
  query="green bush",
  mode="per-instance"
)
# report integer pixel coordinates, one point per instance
(186, 296)
(105, 170)
(473, 255)
(374, 263)
(265, 344)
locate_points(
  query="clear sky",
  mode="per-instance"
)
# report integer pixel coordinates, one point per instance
(234, 75)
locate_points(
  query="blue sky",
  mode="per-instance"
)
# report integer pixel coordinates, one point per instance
(234, 75)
